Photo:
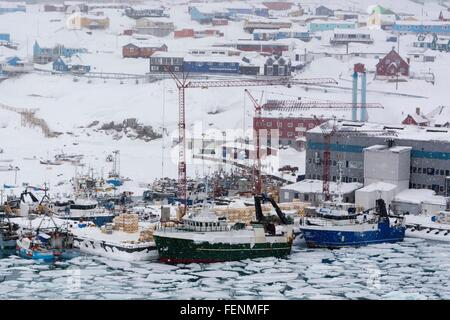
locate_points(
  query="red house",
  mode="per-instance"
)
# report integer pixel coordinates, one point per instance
(141, 50)
(219, 22)
(416, 119)
(392, 65)
(184, 33)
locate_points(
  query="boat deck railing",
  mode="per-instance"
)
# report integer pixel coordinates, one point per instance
(308, 221)
(194, 229)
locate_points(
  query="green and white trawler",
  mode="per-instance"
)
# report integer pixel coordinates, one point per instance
(206, 238)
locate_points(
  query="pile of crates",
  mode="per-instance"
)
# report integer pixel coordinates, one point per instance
(127, 222)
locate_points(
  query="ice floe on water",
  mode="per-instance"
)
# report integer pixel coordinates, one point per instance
(410, 270)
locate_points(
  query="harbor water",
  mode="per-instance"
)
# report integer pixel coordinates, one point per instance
(413, 269)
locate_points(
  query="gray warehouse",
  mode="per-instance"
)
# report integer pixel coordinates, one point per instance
(429, 159)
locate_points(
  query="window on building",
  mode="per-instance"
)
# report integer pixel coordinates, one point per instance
(430, 171)
(306, 197)
(269, 70)
(442, 172)
(419, 170)
(269, 124)
(154, 68)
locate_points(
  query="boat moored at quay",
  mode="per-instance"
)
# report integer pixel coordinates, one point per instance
(335, 228)
(205, 238)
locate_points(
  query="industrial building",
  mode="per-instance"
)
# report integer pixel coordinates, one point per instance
(427, 162)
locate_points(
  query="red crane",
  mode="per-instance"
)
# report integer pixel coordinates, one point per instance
(329, 129)
(184, 84)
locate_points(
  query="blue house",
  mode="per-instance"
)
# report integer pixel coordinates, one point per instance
(204, 17)
(319, 26)
(437, 27)
(5, 37)
(211, 65)
(259, 35)
(45, 55)
(15, 65)
(73, 65)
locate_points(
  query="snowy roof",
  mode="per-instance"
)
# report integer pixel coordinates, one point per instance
(420, 196)
(169, 54)
(273, 42)
(146, 7)
(420, 51)
(316, 186)
(410, 132)
(145, 44)
(70, 61)
(351, 31)
(378, 186)
(297, 29)
(333, 22)
(396, 149)
(418, 118)
(213, 58)
(439, 116)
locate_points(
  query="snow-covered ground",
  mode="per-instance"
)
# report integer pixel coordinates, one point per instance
(70, 106)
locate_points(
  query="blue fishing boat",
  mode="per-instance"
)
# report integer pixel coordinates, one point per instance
(31, 248)
(335, 228)
(45, 242)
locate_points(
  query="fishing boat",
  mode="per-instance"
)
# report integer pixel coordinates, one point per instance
(204, 238)
(8, 233)
(82, 210)
(45, 243)
(114, 244)
(334, 227)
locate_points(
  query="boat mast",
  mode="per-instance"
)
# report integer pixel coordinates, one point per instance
(339, 196)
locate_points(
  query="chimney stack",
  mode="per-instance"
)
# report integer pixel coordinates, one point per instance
(418, 111)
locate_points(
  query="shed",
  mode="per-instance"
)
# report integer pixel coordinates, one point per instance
(311, 191)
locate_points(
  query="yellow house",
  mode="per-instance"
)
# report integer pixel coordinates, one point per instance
(79, 21)
(381, 18)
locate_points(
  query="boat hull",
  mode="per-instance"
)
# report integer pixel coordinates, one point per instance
(116, 252)
(38, 255)
(178, 250)
(335, 238)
